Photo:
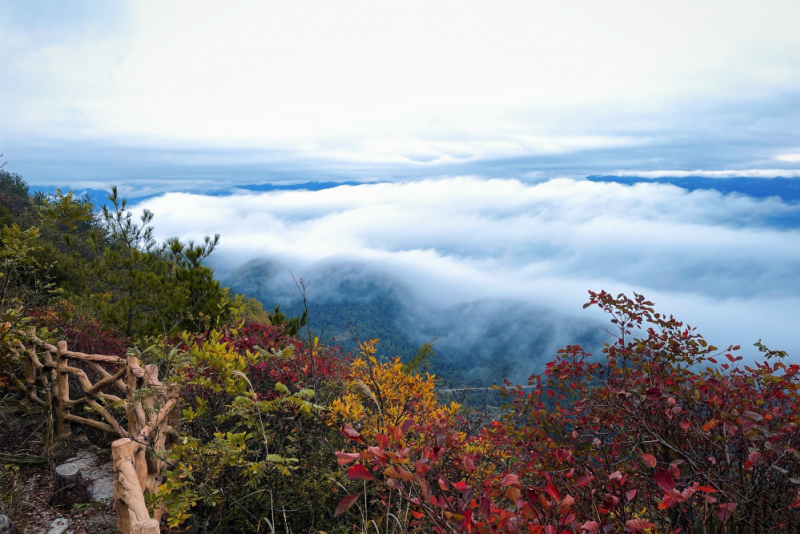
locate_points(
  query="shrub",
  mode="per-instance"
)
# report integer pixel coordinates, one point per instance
(649, 438)
(254, 444)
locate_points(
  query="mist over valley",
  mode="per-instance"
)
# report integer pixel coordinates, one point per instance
(477, 343)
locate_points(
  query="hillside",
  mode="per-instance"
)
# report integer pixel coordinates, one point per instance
(476, 343)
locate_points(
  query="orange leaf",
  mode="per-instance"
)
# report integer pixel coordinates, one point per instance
(398, 472)
(709, 425)
(343, 458)
(633, 525)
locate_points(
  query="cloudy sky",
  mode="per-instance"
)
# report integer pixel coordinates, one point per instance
(480, 120)
(178, 94)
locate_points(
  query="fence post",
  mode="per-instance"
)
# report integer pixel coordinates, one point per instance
(130, 406)
(174, 417)
(121, 451)
(62, 391)
(132, 515)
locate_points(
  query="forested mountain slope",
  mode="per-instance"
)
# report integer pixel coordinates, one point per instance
(477, 343)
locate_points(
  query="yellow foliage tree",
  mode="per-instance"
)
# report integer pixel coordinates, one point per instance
(382, 395)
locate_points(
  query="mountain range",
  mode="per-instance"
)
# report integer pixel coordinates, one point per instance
(476, 343)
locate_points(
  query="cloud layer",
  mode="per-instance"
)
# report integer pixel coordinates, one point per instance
(715, 260)
(161, 95)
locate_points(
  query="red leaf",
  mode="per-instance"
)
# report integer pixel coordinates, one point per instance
(359, 472)
(583, 481)
(396, 433)
(486, 508)
(724, 511)
(343, 458)
(673, 468)
(426, 488)
(706, 489)
(461, 486)
(617, 478)
(443, 484)
(469, 465)
(649, 460)
(591, 526)
(418, 515)
(563, 455)
(636, 525)
(511, 480)
(553, 492)
(406, 425)
(754, 457)
(664, 480)
(630, 494)
(383, 440)
(685, 425)
(351, 433)
(421, 467)
(346, 504)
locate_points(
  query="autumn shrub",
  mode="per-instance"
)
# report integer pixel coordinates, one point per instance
(663, 433)
(63, 320)
(384, 394)
(254, 448)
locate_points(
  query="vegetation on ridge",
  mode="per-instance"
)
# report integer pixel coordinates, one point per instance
(660, 433)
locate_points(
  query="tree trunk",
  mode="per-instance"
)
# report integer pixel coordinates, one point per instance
(70, 488)
(6, 526)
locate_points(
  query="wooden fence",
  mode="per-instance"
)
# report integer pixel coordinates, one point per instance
(151, 408)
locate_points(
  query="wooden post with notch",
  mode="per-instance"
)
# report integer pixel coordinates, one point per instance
(132, 514)
(62, 391)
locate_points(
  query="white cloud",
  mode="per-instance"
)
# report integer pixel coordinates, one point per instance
(789, 157)
(712, 259)
(418, 81)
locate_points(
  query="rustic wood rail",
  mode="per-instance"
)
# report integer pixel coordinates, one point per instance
(151, 410)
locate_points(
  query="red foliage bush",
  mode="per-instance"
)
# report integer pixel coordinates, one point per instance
(82, 334)
(648, 438)
(311, 366)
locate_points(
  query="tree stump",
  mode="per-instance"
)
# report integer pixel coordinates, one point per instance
(6, 526)
(70, 487)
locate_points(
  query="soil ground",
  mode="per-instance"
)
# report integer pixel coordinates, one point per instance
(28, 456)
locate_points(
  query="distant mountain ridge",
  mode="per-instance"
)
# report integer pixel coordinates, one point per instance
(477, 343)
(787, 189)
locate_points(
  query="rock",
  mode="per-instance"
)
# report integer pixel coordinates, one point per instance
(59, 525)
(98, 472)
(6, 526)
(69, 487)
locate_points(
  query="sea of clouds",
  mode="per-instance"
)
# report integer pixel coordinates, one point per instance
(724, 263)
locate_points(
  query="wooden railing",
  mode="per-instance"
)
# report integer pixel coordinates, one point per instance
(151, 408)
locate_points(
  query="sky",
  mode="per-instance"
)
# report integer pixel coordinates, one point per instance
(472, 124)
(179, 95)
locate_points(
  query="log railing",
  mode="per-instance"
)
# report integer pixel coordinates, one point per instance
(151, 408)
